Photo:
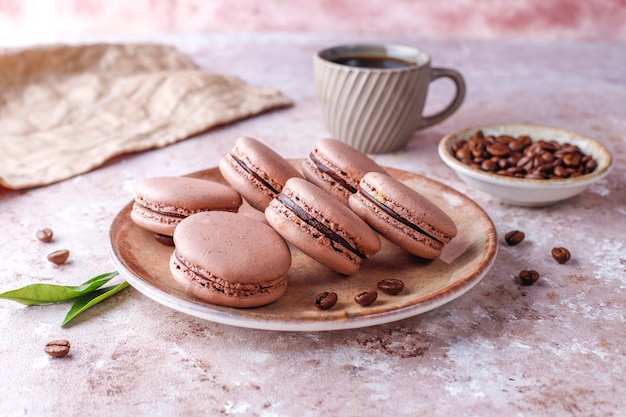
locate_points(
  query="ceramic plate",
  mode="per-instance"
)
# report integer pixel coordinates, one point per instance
(428, 284)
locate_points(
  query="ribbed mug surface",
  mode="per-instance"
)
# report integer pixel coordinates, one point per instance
(373, 111)
(372, 95)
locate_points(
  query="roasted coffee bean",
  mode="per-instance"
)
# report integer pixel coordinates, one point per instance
(590, 164)
(504, 163)
(514, 237)
(561, 255)
(58, 348)
(45, 235)
(528, 277)
(325, 300)
(390, 286)
(463, 154)
(366, 298)
(572, 159)
(59, 257)
(489, 165)
(539, 160)
(498, 149)
(535, 175)
(560, 171)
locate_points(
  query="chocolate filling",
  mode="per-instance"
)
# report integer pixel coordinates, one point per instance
(138, 204)
(254, 174)
(395, 215)
(223, 287)
(313, 222)
(169, 214)
(331, 173)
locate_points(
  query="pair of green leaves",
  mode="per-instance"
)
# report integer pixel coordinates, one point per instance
(85, 295)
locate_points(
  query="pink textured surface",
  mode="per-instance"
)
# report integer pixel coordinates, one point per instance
(538, 19)
(554, 349)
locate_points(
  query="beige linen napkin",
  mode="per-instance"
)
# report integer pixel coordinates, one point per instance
(65, 110)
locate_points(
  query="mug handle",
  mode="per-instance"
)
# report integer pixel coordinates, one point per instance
(459, 83)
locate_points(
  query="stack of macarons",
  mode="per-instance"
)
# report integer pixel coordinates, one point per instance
(333, 207)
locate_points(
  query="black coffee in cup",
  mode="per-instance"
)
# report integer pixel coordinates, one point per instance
(382, 62)
(372, 96)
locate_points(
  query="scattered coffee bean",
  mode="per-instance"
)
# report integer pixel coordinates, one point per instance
(45, 235)
(390, 286)
(58, 348)
(561, 255)
(514, 237)
(325, 300)
(366, 298)
(59, 257)
(164, 239)
(528, 277)
(522, 158)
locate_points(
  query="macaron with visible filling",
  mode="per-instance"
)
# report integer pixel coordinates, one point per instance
(230, 259)
(337, 167)
(322, 227)
(402, 215)
(256, 171)
(161, 203)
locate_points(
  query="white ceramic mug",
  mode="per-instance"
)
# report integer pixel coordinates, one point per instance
(372, 96)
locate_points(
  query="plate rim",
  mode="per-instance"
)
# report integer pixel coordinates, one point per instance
(239, 318)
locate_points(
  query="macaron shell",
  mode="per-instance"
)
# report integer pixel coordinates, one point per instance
(334, 215)
(324, 181)
(154, 222)
(264, 162)
(162, 202)
(397, 233)
(346, 161)
(413, 206)
(187, 279)
(318, 248)
(248, 187)
(242, 262)
(410, 205)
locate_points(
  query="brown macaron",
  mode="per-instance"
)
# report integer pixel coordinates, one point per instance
(230, 259)
(322, 227)
(256, 171)
(337, 167)
(402, 215)
(161, 203)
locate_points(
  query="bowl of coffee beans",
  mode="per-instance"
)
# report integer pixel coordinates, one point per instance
(525, 164)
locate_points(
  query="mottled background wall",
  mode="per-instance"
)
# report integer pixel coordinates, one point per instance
(533, 19)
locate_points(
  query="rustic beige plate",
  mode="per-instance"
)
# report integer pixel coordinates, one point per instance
(428, 284)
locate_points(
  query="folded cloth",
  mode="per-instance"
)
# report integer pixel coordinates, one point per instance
(65, 110)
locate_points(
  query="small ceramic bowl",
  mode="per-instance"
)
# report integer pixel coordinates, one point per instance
(522, 191)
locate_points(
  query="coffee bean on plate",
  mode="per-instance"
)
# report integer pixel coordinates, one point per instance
(366, 298)
(325, 300)
(390, 286)
(58, 348)
(561, 255)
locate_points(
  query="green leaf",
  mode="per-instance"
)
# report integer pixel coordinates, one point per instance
(89, 300)
(40, 293)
